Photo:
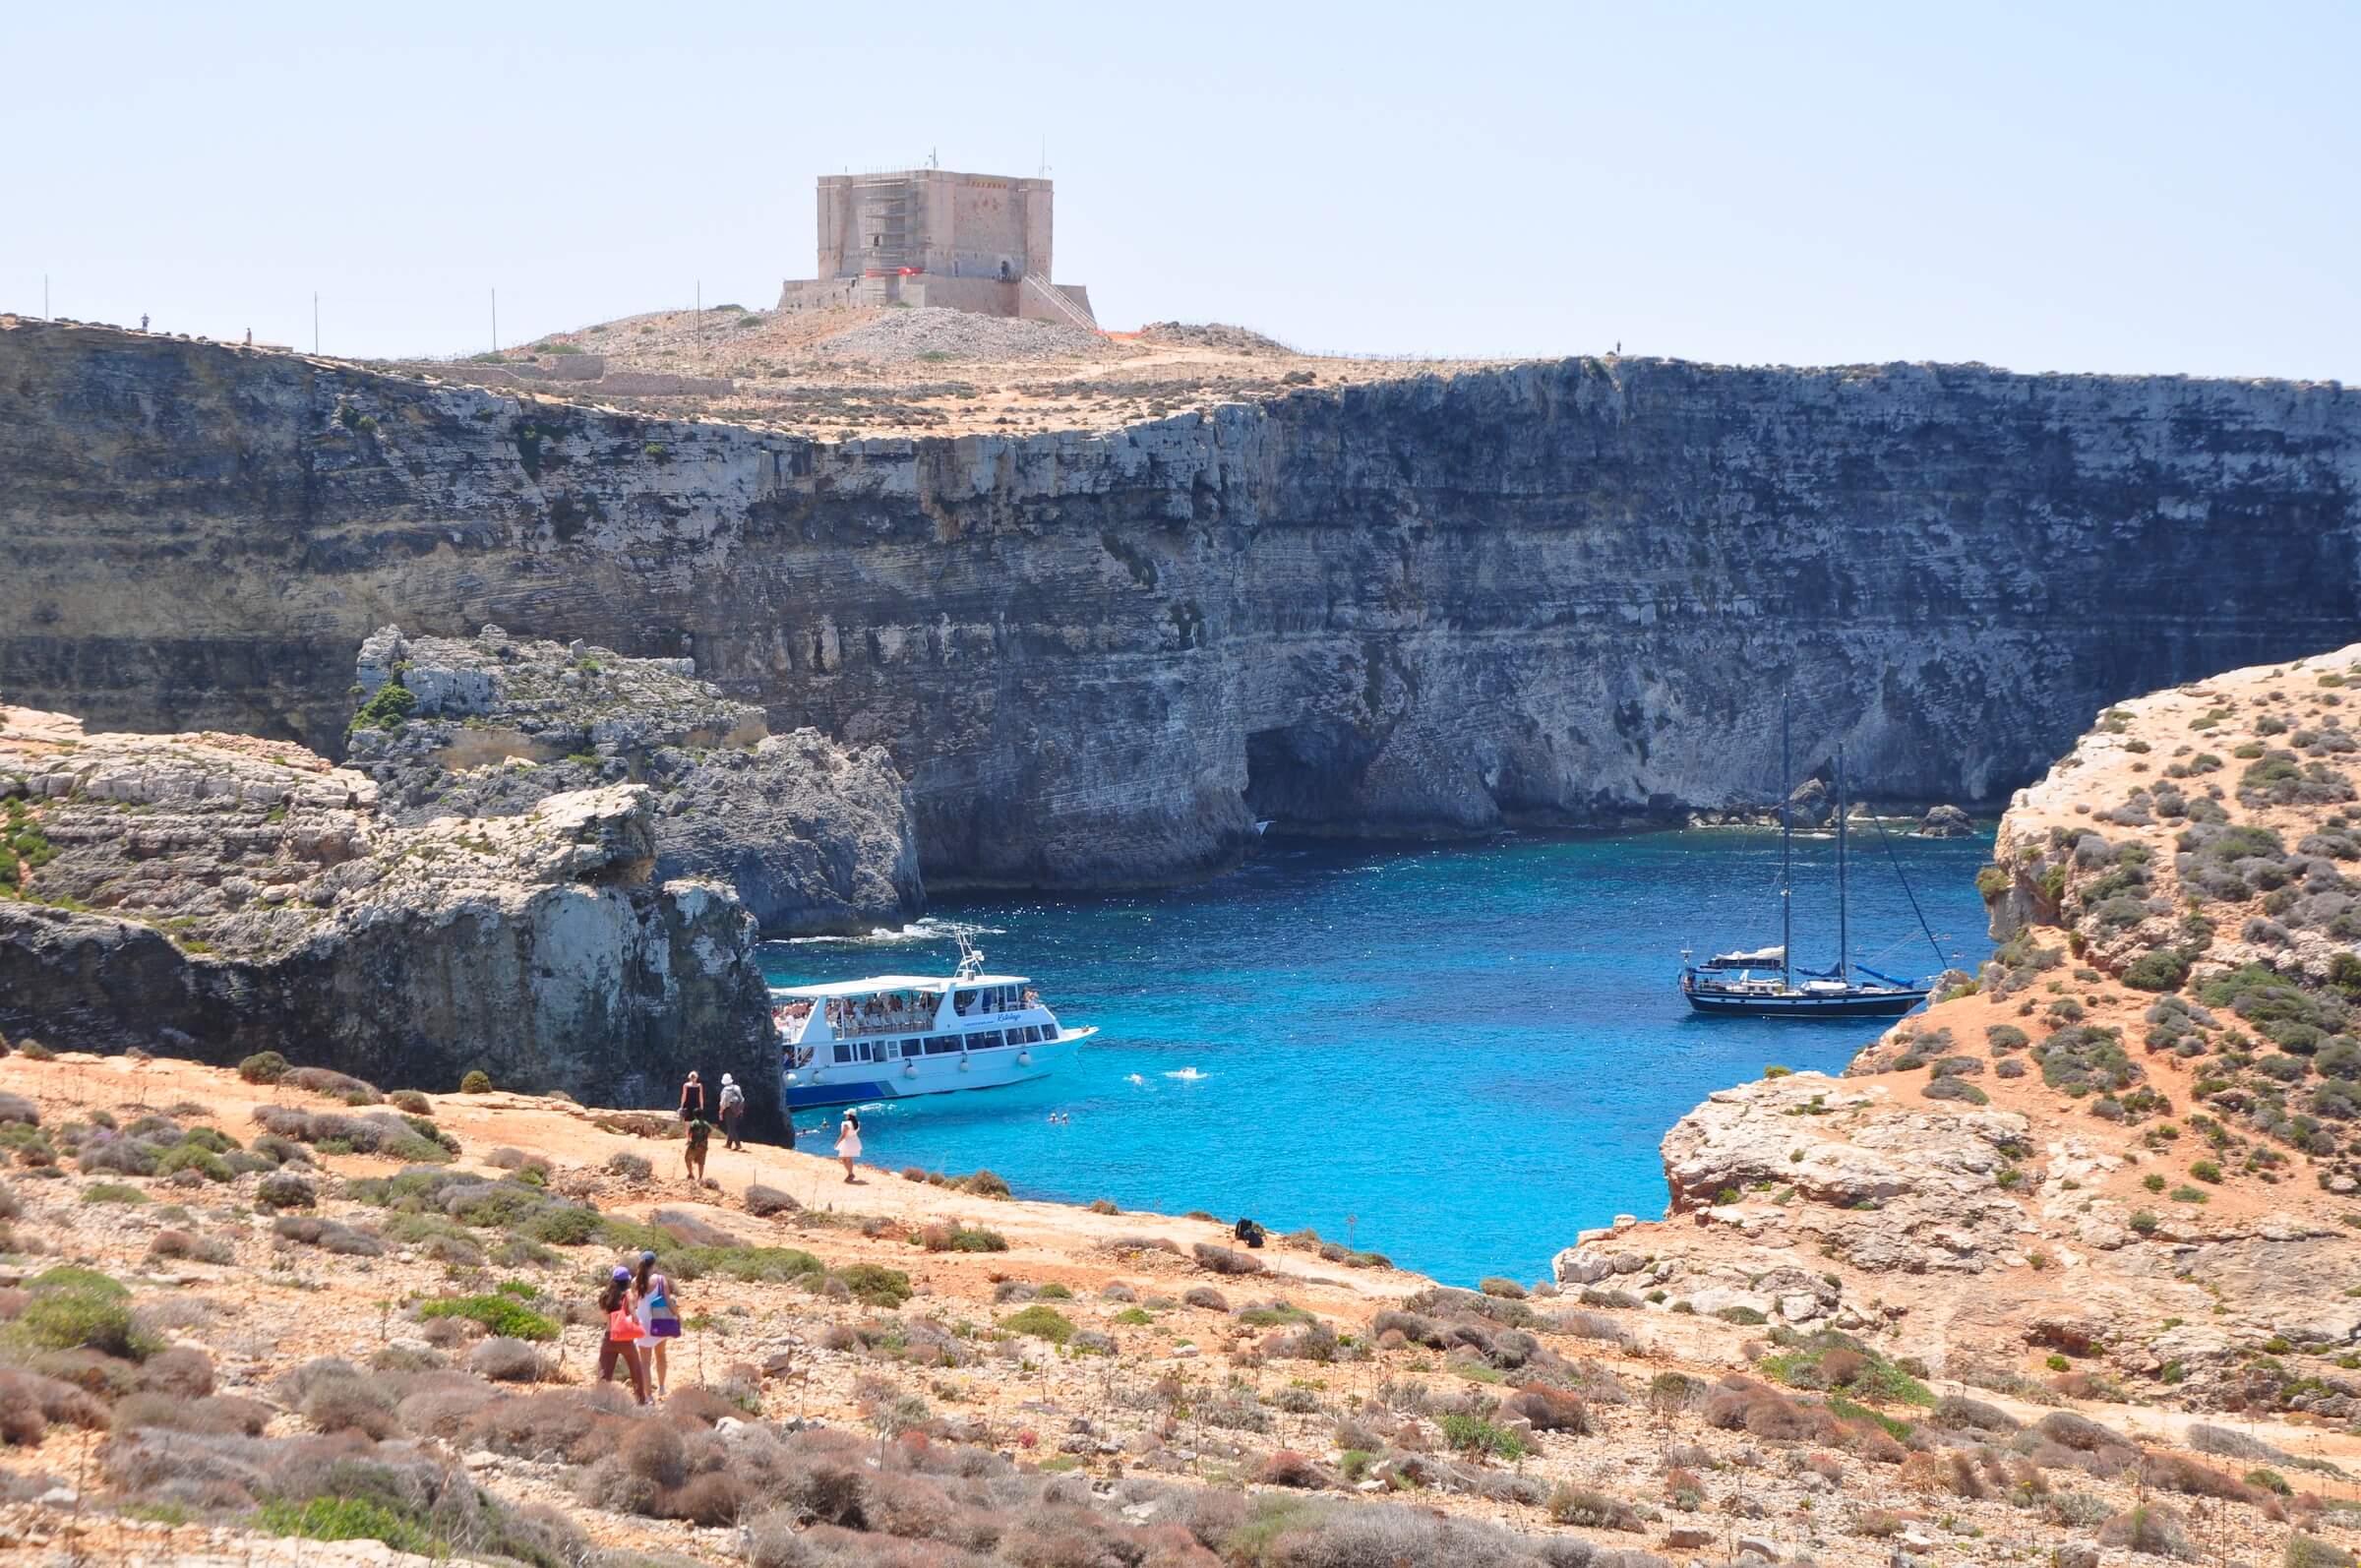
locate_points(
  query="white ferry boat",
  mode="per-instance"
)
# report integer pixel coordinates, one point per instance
(892, 1036)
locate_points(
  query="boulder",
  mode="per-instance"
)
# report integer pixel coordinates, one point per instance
(1946, 821)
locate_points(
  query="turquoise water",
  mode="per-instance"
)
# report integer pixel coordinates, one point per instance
(1461, 1055)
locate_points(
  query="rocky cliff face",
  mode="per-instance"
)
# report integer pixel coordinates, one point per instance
(812, 838)
(2133, 1144)
(211, 895)
(1564, 591)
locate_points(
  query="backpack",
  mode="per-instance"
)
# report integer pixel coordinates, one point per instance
(1248, 1232)
(732, 1097)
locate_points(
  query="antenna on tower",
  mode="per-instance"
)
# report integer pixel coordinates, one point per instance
(1045, 156)
(932, 162)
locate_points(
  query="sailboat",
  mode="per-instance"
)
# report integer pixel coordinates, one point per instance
(1765, 983)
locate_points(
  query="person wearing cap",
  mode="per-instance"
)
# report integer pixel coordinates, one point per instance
(659, 1319)
(622, 1343)
(733, 1111)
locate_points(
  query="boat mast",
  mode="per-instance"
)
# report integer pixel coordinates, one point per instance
(1844, 954)
(1787, 858)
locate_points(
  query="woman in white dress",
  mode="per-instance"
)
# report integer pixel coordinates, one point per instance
(848, 1142)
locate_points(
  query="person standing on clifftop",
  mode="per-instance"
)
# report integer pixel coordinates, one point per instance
(692, 1157)
(732, 1112)
(848, 1142)
(693, 1098)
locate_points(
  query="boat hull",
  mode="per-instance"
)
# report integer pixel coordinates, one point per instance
(868, 1083)
(1875, 1004)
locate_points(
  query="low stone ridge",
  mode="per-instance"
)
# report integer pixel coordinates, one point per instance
(815, 838)
(214, 895)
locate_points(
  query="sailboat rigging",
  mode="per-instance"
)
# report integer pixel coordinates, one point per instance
(1743, 984)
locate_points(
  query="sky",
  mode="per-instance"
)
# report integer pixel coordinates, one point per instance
(2083, 187)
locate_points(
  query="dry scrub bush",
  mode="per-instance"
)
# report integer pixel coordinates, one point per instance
(183, 1372)
(30, 1404)
(762, 1202)
(329, 1236)
(335, 1085)
(508, 1360)
(181, 1244)
(1225, 1260)
(1550, 1410)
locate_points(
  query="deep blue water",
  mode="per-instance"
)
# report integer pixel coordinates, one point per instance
(1469, 1051)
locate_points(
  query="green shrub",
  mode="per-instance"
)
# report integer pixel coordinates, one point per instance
(874, 1285)
(1040, 1322)
(73, 1315)
(1473, 1435)
(387, 709)
(755, 1265)
(476, 1081)
(347, 1518)
(501, 1315)
(112, 1192)
(2158, 969)
(1829, 1359)
(2205, 1171)
(963, 1238)
(2144, 1222)
(263, 1067)
(186, 1155)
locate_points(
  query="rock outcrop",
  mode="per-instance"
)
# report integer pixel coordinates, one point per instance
(2124, 1159)
(214, 895)
(812, 838)
(1545, 592)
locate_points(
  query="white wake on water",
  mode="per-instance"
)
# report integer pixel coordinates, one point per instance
(1187, 1075)
(926, 930)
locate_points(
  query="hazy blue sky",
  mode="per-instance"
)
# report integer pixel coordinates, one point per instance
(2056, 187)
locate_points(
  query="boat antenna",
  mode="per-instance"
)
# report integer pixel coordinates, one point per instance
(971, 958)
(1787, 857)
(1844, 946)
(1940, 962)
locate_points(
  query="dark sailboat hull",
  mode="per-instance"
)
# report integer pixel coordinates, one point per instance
(1870, 1005)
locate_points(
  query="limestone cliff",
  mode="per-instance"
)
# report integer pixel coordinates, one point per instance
(2126, 1159)
(812, 838)
(212, 895)
(1554, 591)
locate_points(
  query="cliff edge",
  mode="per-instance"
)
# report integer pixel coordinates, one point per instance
(2122, 1164)
(1539, 592)
(214, 895)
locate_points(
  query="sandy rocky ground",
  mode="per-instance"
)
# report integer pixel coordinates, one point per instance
(908, 371)
(1661, 1417)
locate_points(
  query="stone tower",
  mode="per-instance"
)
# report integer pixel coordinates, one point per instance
(974, 242)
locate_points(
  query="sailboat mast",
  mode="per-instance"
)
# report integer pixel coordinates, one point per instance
(1844, 950)
(1787, 858)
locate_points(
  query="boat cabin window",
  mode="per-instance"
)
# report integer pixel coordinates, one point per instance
(844, 1054)
(985, 1041)
(882, 1013)
(942, 1044)
(1049, 1031)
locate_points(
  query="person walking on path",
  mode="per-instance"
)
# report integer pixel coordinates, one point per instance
(693, 1098)
(848, 1143)
(732, 1112)
(622, 1343)
(692, 1157)
(659, 1319)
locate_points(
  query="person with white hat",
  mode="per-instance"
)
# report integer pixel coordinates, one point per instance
(732, 1112)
